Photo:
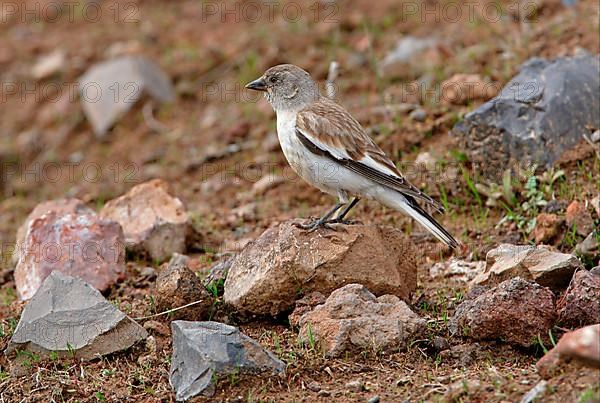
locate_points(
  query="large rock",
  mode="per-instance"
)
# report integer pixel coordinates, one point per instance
(516, 311)
(109, 89)
(580, 305)
(353, 319)
(83, 246)
(581, 346)
(539, 114)
(204, 350)
(69, 317)
(286, 262)
(58, 206)
(177, 286)
(537, 263)
(154, 222)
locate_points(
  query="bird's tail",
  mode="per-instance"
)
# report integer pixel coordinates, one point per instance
(407, 205)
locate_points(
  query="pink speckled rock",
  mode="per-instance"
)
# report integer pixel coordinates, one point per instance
(83, 246)
(581, 346)
(59, 206)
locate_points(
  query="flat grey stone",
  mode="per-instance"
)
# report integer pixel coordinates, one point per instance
(538, 115)
(69, 317)
(109, 89)
(204, 349)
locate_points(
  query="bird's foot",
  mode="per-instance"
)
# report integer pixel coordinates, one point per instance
(344, 222)
(313, 225)
(333, 225)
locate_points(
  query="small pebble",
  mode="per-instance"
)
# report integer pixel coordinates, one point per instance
(314, 386)
(324, 393)
(355, 386)
(374, 399)
(596, 136)
(440, 343)
(418, 115)
(151, 344)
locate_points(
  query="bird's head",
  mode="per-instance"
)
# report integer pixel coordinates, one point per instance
(287, 87)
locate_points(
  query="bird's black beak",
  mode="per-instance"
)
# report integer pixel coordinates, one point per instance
(257, 85)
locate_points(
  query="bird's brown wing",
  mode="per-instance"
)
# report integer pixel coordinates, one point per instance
(327, 129)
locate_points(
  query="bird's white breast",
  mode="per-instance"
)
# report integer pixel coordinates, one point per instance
(295, 153)
(324, 174)
(314, 169)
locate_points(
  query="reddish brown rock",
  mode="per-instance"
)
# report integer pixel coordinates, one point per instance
(580, 305)
(579, 217)
(353, 319)
(547, 228)
(516, 310)
(177, 286)
(537, 263)
(305, 305)
(286, 262)
(84, 246)
(581, 346)
(153, 221)
(59, 206)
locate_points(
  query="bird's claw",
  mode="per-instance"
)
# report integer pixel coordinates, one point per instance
(316, 224)
(312, 226)
(344, 222)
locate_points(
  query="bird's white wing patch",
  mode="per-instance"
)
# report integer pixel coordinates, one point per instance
(369, 161)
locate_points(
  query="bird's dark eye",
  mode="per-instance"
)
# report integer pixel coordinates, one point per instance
(273, 79)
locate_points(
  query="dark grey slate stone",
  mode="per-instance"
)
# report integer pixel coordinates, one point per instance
(538, 115)
(68, 316)
(204, 349)
(109, 89)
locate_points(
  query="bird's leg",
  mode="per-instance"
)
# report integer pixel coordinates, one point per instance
(340, 217)
(321, 221)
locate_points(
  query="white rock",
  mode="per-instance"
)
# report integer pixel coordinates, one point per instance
(49, 64)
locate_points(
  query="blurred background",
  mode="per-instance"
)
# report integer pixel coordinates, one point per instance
(99, 96)
(389, 53)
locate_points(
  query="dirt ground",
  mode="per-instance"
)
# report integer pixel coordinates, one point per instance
(210, 50)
